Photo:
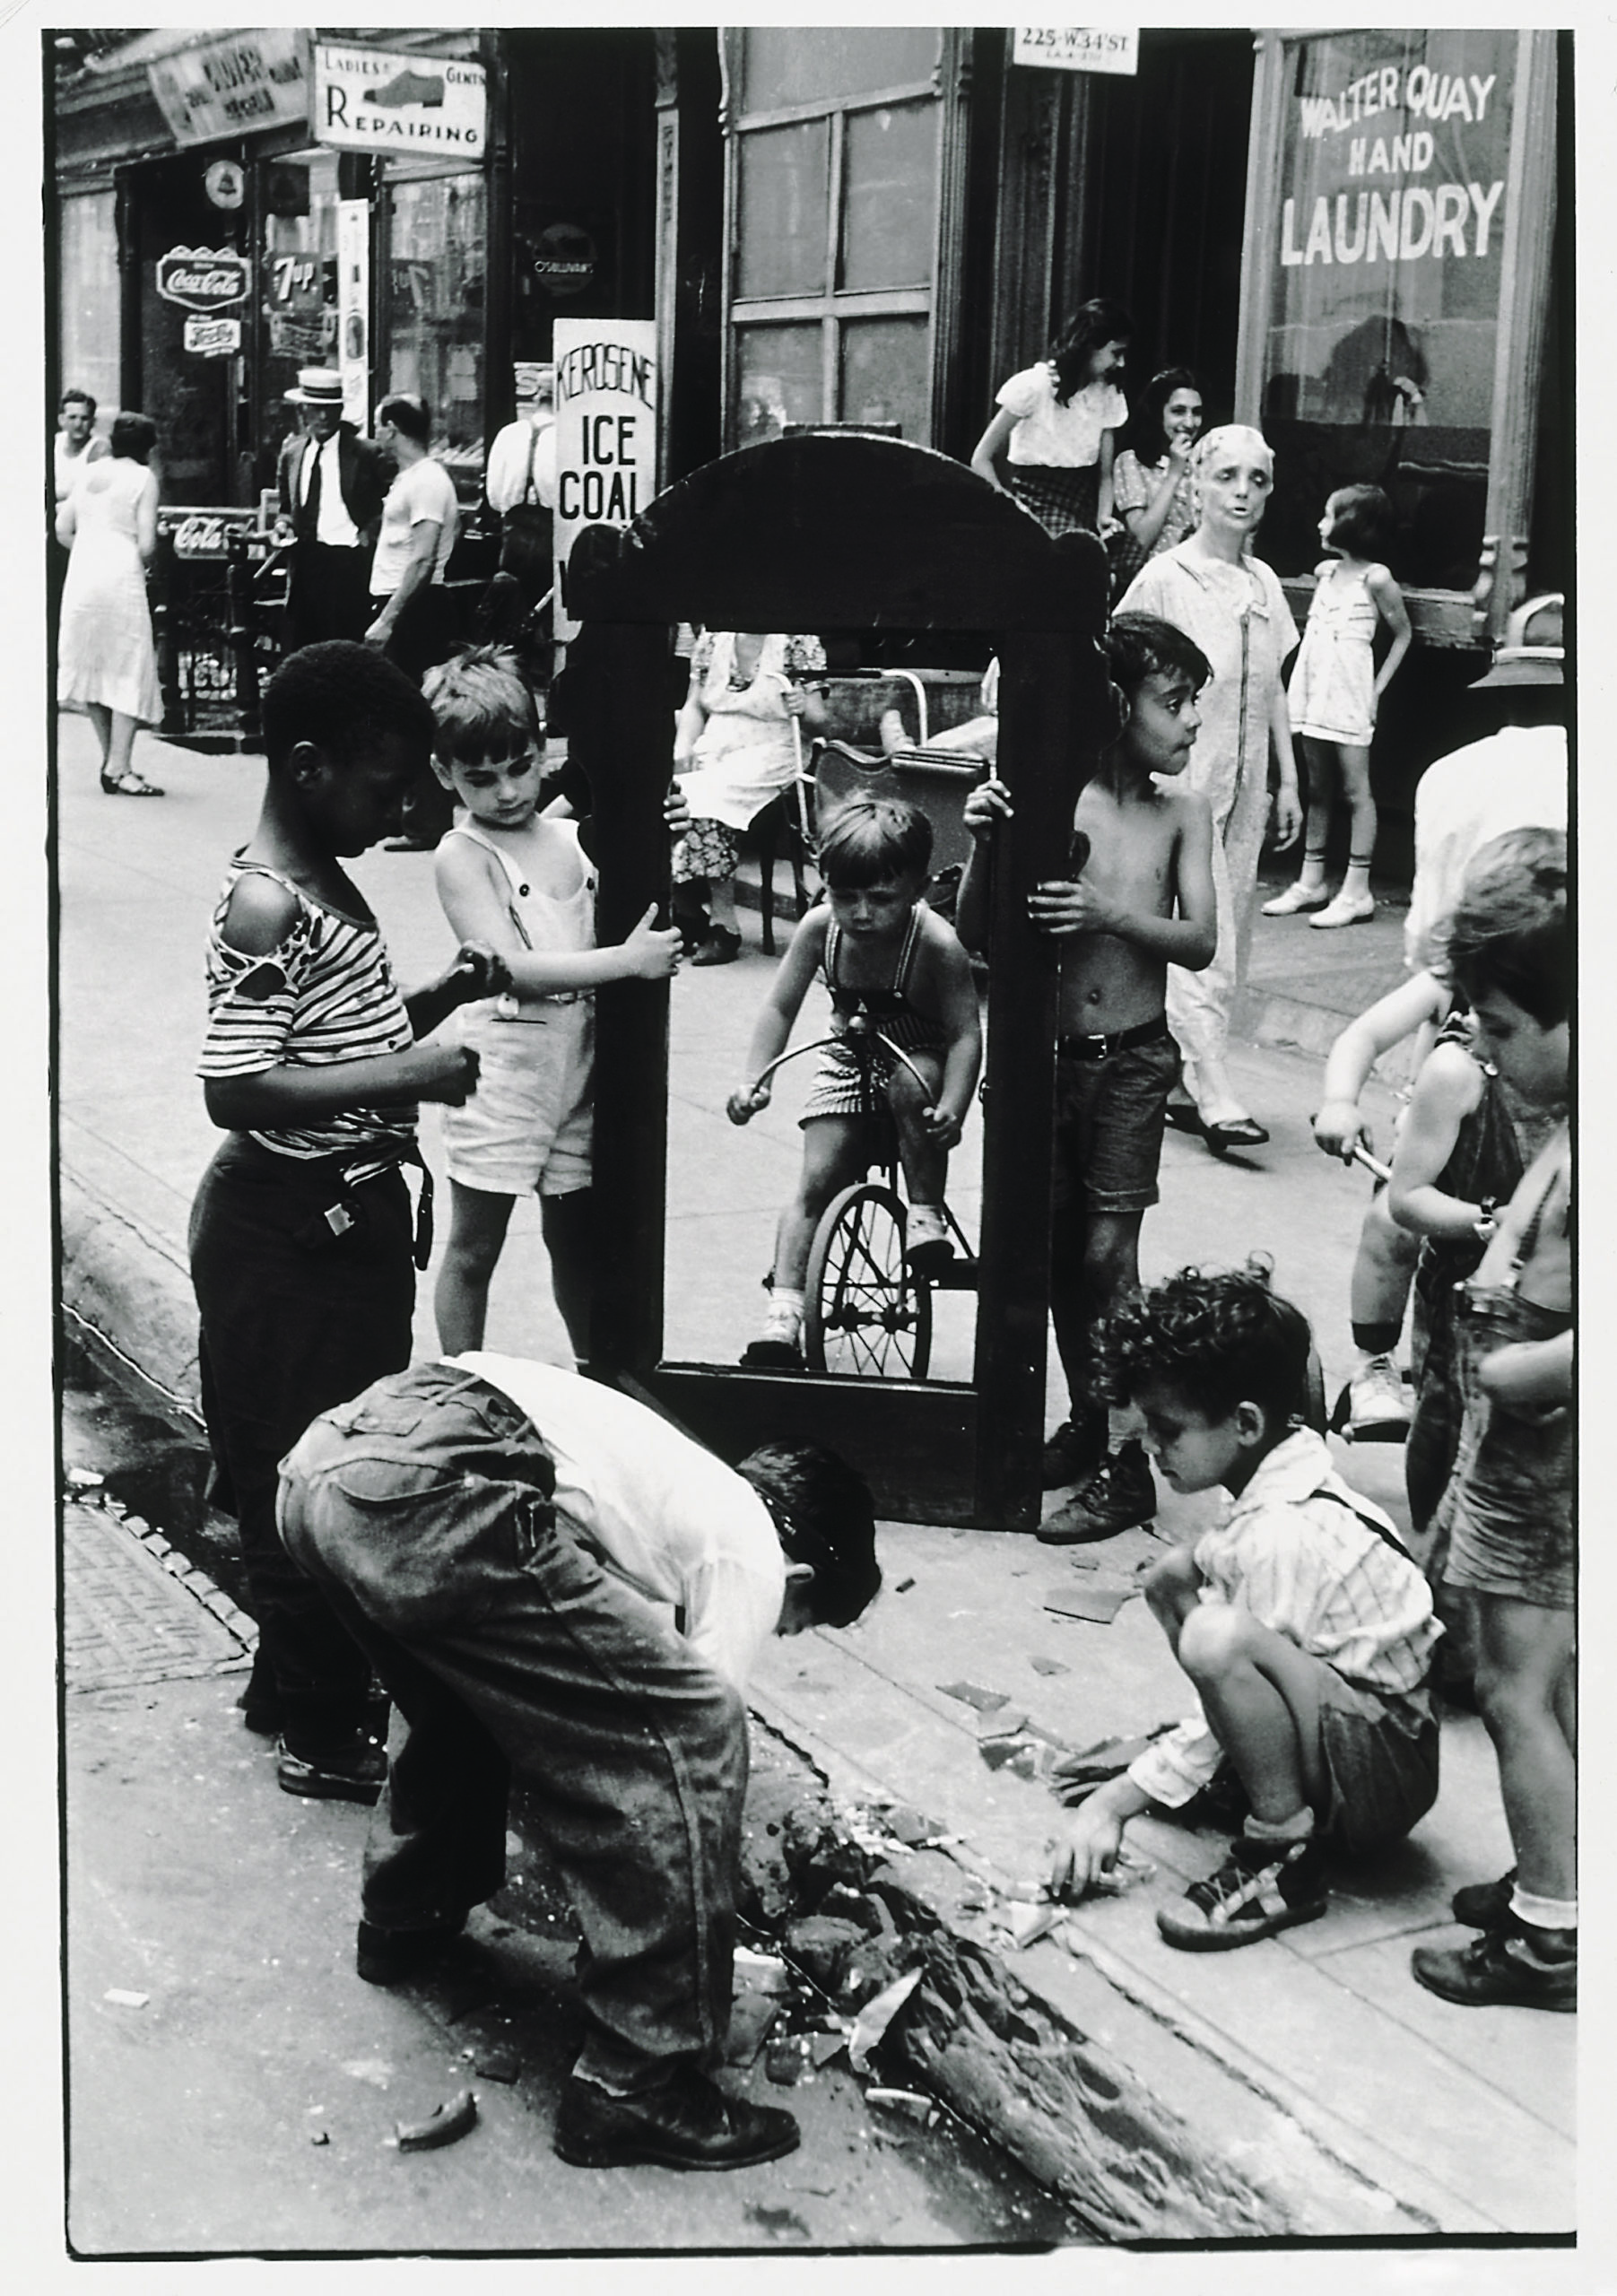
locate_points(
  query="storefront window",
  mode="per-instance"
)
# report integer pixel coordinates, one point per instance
(861, 177)
(887, 207)
(87, 339)
(819, 64)
(1384, 298)
(431, 341)
(297, 285)
(885, 375)
(784, 188)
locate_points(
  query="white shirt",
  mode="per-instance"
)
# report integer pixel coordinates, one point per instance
(1293, 1551)
(1515, 779)
(69, 468)
(334, 527)
(425, 490)
(1065, 438)
(505, 483)
(682, 1528)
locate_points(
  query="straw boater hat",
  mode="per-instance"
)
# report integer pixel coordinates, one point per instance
(1532, 651)
(317, 386)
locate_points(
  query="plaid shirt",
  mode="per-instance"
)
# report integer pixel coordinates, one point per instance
(1296, 1550)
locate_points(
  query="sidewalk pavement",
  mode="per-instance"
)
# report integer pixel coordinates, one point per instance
(1372, 2107)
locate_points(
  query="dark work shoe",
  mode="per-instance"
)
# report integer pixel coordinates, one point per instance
(1262, 1888)
(1483, 1905)
(1119, 1495)
(1517, 1965)
(689, 2123)
(1072, 1453)
(261, 1716)
(771, 1354)
(353, 1772)
(721, 947)
(389, 1956)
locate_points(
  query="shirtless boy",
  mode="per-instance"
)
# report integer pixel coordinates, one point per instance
(1139, 896)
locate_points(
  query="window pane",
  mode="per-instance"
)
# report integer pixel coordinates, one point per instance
(1384, 302)
(778, 382)
(298, 291)
(437, 260)
(88, 320)
(890, 200)
(884, 376)
(814, 63)
(785, 188)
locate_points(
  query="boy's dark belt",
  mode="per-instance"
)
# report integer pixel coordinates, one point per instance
(346, 1172)
(1098, 1047)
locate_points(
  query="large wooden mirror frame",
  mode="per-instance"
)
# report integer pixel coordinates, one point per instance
(828, 533)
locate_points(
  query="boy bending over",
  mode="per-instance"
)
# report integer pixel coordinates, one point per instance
(1136, 895)
(1305, 1627)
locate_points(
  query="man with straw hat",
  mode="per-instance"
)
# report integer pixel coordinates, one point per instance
(331, 484)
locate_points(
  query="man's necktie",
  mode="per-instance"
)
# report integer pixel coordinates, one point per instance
(309, 520)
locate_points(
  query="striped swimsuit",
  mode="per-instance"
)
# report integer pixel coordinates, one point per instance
(838, 1088)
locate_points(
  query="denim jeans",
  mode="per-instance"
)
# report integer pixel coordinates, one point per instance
(424, 1506)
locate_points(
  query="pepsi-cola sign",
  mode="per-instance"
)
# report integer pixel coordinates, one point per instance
(203, 279)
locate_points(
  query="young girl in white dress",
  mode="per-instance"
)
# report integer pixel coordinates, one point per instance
(1334, 690)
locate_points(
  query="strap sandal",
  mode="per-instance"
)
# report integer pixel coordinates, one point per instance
(1237, 1132)
(129, 783)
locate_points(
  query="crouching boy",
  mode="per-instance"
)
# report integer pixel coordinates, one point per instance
(1306, 1628)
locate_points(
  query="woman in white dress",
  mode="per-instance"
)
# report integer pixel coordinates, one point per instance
(106, 662)
(1212, 587)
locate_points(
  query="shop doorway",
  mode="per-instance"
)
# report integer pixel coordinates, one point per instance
(1164, 178)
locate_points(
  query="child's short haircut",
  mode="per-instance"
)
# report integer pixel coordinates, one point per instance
(1215, 1339)
(1508, 930)
(344, 698)
(824, 1515)
(407, 413)
(481, 705)
(1361, 520)
(870, 841)
(1138, 644)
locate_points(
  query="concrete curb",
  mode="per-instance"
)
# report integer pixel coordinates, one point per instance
(1148, 2127)
(126, 1283)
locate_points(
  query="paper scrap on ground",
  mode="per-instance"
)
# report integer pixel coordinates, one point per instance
(876, 2016)
(986, 1702)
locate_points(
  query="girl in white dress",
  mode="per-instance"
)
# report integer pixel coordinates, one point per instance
(1335, 687)
(106, 662)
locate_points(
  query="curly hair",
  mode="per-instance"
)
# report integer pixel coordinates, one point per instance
(869, 840)
(824, 1515)
(481, 703)
(1509, 928)
(344, 698)
(1136, 643)
(1147, 436)
(1216, 1338)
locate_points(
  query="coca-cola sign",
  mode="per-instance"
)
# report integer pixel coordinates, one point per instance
(203, 279)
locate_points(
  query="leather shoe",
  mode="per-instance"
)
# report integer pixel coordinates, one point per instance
(687, 2123)
(389, 1956)
(355, 1771)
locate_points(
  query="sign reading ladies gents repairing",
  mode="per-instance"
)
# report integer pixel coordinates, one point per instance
(606, 400)
(367, 100)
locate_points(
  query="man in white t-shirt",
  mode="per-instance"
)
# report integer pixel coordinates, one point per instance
(1516, 779)
(552, 1579)
(77, 442)
(520, 483)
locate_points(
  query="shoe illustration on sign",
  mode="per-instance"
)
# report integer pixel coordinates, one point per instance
(409, 88)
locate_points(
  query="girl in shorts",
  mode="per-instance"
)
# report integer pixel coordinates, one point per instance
(525, 876)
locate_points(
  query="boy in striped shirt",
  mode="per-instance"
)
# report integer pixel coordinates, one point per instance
(300, 1239)
(1306, 1628)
